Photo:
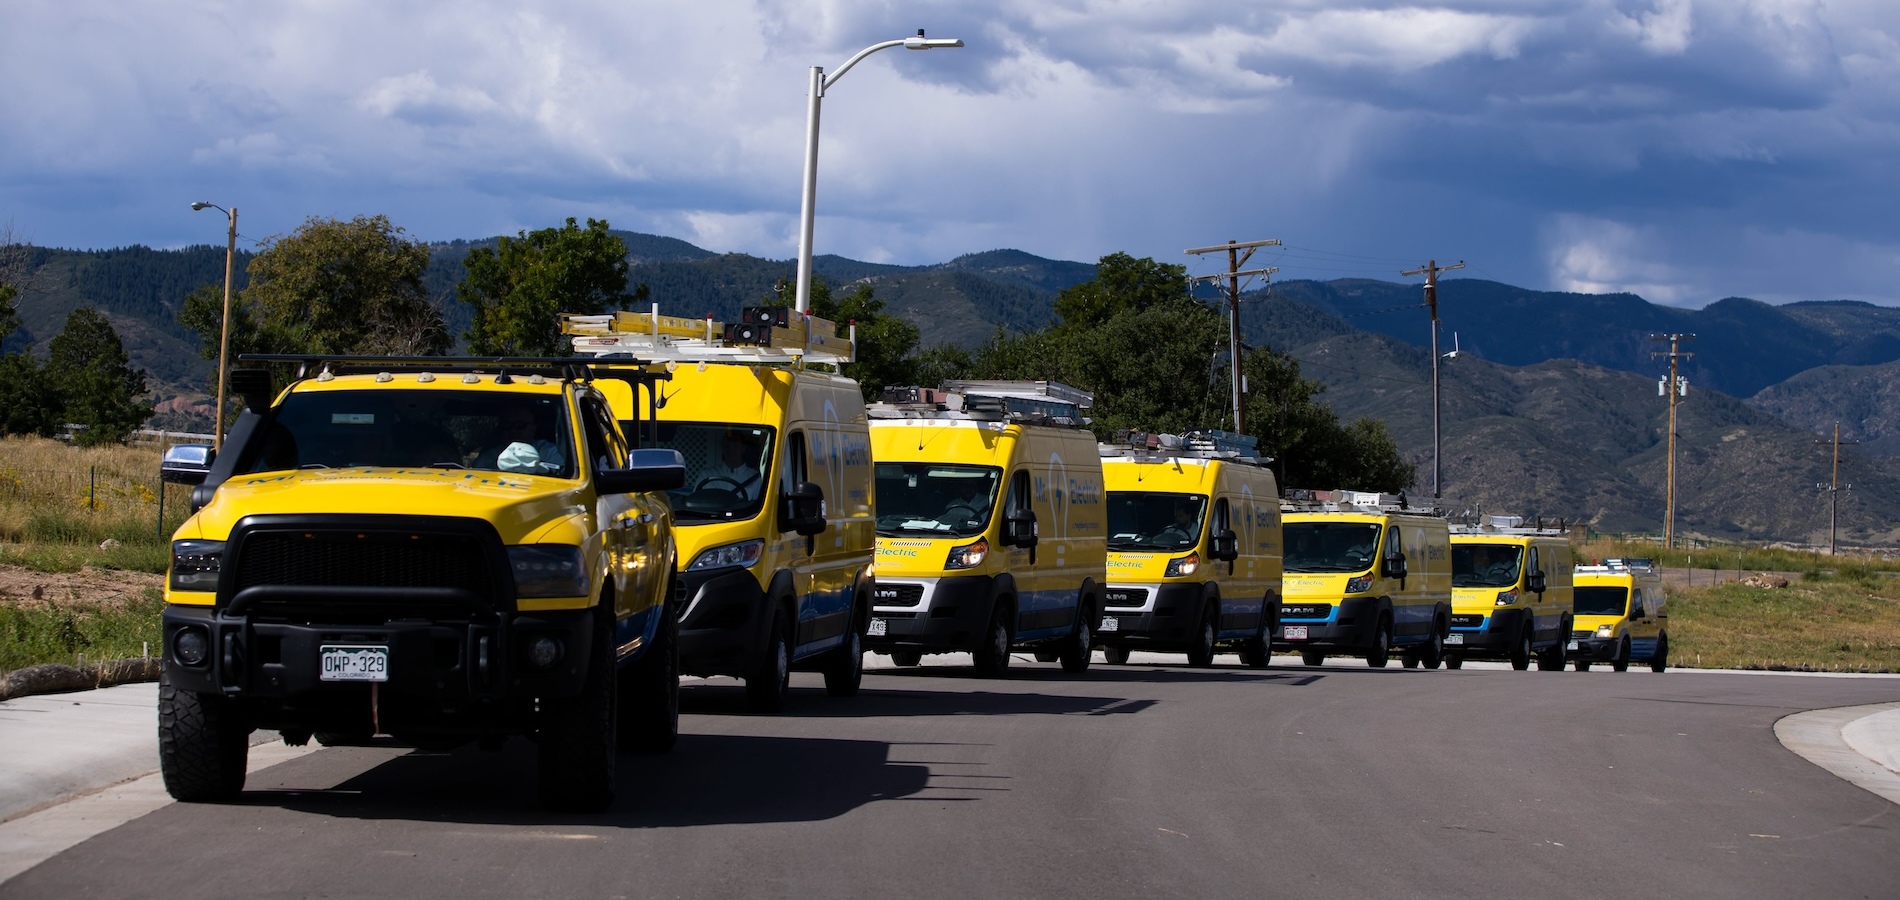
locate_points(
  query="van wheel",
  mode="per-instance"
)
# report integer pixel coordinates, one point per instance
(1312, 658)
(992, 658)
(202, 745)
(1116, 656)
(1257, 653)
(1408, 660)
(1079, 650)
(1381, 652)
(1582, 665)
(1433, 653)
(1454, 661)
(576, 752)
(650, 693)
(1521, 654)
(768, 686)
(1552, 660)
(1622, 661)
(844, 672)
(1659, 661)
(1201, 653)
(906, 658)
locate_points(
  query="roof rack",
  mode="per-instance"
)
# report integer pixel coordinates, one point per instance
(1619, 566)
(1304, 500)
(1511, 525)
(1206, 444)
(1035, 402)
(765, 335)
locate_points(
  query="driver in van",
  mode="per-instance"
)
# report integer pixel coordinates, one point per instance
(736, 470)
(970, 502)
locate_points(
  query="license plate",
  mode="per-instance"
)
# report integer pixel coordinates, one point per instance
(354, 662)
(878, 628)
(1573, 646)
(1110, 623)
(1296, 632)
(1454, 639)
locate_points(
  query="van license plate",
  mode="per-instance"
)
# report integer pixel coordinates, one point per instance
(354, 662)
(1573, 646)
(878, 628)
(1110, 623)
(1296, 632)
(1454, 639)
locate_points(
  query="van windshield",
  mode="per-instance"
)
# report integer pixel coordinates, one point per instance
(1150, 520)
(493, 431)
(1601, 601)
(1330, 546)
(935, 498)
(1485, 565)
(726, 469)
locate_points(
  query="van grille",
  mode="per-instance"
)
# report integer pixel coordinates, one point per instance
(1467, 621)
(1125, 597)
(1580, 635)
(1305, 610)
(897, 594)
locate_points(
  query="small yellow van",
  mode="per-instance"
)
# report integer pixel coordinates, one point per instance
(1622, 616)
(1365, 573)
(990, 524)
(1193, 547)
(774, 523)
(1510, 593)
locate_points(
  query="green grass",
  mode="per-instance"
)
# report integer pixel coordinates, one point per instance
(1848, 622)
(61, 634)
(1747, 559)
(145, 556)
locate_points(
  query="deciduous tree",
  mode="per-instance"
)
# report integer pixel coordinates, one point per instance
(96, 384)
(520, 288)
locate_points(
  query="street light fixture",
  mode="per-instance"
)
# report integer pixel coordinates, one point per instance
(820, 82)
(224, 331)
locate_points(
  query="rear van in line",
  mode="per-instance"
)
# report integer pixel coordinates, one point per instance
(1365, 575)
(1510, 593)
(990, 524)
(1622, 616)
(774, 523)
(1193, 547)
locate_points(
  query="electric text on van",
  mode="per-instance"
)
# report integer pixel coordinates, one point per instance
(1622, 616)
(774, 522)
(1364, 574)
(1510, 593)
(990, 525)
(1193, 547)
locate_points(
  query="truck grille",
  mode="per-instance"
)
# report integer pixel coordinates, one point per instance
(363, 571)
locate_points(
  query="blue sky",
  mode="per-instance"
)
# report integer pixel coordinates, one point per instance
(1686, 150)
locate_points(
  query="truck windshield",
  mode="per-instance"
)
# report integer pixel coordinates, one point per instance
(1485, 565)
(1330, 546)
(1601, 601)
(1150, 520)
(493, 431)
(935, 498)
(726, 469)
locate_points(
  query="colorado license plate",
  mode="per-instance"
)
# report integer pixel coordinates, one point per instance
(1454, 639)
(1110, 623)
(878, 628)
(1296, 632)
(354, 662)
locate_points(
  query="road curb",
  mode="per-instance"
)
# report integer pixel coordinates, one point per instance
(1821, 737)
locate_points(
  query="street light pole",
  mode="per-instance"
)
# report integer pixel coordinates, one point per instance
(1430, 270)
(807, 206)
(224, 330)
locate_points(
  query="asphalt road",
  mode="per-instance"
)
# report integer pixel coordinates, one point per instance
(1136, 781)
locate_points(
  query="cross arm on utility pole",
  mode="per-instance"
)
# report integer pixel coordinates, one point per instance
(1235, 257)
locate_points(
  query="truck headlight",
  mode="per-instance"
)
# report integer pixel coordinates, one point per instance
(548, 570)
(1182, 565)
(1506, 598)
(968, 556)
(1606, 631)
(195, 565)
(1359, 584)
(743, 554)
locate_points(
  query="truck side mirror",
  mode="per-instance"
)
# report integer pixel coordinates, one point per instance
(803, 509)
(1019, 529)
(1225, 546)
(186, 464)
(648, 470)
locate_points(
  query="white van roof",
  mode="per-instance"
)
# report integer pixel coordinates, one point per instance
(1028, 402)
(765, 335)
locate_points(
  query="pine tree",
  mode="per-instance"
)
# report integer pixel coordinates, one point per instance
(97, 387)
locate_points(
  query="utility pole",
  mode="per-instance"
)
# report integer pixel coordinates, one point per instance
(1430, 271)
(1834, 488)
(1234, 260)
(1676, 387)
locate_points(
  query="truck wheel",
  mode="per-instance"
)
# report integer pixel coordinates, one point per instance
(844, 672)
(576, 750)
(768, 686)
(1659, 661)
(1432, 655)
(1521, 654)
(1381, 652)
(202, 745)
(1201, 653)
(992, 658)
(1116, 656)
(1312, 658)
(650, 692)
(906, 658)
(1622, 661)
(1078, 649)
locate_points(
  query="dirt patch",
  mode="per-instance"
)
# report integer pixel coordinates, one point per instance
(87, 587)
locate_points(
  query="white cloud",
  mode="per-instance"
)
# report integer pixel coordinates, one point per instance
(417, 99)
(1595, 256)
(1403, 39)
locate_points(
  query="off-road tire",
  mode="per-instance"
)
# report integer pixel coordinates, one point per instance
(771, 683)
(650, 693)
(844, 670)
(992, 656)
(576, 750)
(202, 745)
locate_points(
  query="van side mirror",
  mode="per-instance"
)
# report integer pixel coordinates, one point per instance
(1534, 582)
(1019, 529)
(648, 470)
(1394, 566)
(1225, 546)
(802, 509)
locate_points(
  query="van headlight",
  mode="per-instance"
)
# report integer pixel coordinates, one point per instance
(1359, 584)
(1506, 598)
(1182, 565)
(195, 565)
(743, 554)
(1606, 631)
(968, 556)
(548, 570)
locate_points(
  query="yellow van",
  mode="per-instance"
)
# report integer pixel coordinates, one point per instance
(1365, 574)
(1622, 616)
(990, 525)
(1193, 547)
(774, 523)
(1510, 593)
